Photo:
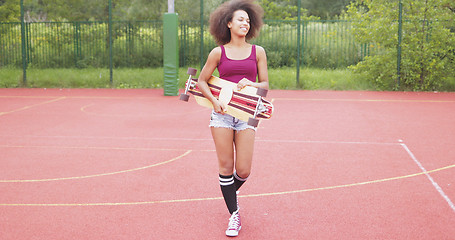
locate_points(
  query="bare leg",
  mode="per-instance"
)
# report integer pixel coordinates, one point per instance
(223, 138)
(244, 147)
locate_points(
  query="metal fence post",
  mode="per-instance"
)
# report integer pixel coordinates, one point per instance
(400, 33)
(24, 55)
(111, 77)
(76, 43)
(298, 43)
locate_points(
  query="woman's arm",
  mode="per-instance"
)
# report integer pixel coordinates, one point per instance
(210, 65)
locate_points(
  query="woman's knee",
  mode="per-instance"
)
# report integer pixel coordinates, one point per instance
(226, 166)
(243, 172)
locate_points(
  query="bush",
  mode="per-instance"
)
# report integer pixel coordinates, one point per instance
(427, 47)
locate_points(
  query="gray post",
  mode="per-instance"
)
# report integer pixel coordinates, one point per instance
(170, 6)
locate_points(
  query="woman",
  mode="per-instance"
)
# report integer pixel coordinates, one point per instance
(232, 25)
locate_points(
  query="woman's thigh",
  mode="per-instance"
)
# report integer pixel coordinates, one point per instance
(244, 147)
(224, 144)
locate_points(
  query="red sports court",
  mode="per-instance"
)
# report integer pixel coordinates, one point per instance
(133, 164)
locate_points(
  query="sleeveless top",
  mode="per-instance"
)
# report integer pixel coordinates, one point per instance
(236, 70)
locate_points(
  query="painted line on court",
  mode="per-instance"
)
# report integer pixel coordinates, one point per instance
(277, 98)
(424, 171)
(31, 97)
(101, 174)
(82, 97)
(31, 106)
(104, 137)
(364, 100)
(203, 139)
(93, 148)
(326, 142)
(220, 198)
(85, 107)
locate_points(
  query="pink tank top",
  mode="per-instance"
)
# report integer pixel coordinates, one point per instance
(236, 70)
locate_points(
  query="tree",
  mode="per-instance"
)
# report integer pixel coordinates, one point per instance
(10, 11)
(139, 10)
(284, 10)
(427, 47)
(325, 9)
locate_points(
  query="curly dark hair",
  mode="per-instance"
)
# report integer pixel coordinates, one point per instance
(220, 18)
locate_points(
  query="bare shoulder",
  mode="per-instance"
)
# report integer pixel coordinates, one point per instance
(216, 52)
(214, 56)
(260, 52)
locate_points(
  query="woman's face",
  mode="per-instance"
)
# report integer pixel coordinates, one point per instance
(240, 23)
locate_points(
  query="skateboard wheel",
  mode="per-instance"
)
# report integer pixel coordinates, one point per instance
(262, 92)
(253, 122)
(192, 71)
(184, 97)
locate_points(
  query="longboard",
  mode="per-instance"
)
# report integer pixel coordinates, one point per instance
(247, 104)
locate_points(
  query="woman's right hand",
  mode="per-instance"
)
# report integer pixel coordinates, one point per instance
(219, 107)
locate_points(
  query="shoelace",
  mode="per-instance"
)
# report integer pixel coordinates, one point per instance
(234, 221)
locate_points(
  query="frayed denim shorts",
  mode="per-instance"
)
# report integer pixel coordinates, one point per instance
(228, 121)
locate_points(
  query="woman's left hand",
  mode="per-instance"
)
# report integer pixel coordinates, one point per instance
(243, 83)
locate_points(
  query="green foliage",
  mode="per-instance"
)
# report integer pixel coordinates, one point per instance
(138, 10)
(325, 9)
(310, 9)
(427, 47)
(83, 44)
(274, 10)
(133, 10)
(324, 44)
(10, 11)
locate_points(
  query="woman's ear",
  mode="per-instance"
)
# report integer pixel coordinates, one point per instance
(229, 25)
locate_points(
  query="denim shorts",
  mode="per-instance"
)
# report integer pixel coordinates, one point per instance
(228, 121)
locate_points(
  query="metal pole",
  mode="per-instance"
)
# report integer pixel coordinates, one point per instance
(400, 35)
(298, 42)
(24, 55)
(170, 6)
(111, 77)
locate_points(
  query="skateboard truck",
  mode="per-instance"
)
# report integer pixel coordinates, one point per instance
(260, 108)
(184, 96)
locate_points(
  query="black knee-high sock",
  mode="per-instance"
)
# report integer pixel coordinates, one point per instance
(228, 189)
(238, 181)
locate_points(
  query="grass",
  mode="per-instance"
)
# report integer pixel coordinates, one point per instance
(317, 79)
(279, 78)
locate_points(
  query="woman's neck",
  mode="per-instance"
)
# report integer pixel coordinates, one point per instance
(238, 43)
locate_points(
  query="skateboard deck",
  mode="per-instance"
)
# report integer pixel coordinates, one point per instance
(246, 104)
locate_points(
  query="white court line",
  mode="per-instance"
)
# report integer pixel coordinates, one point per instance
(435, 184)
(325, 142)
(31, 106)
(203, 139)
